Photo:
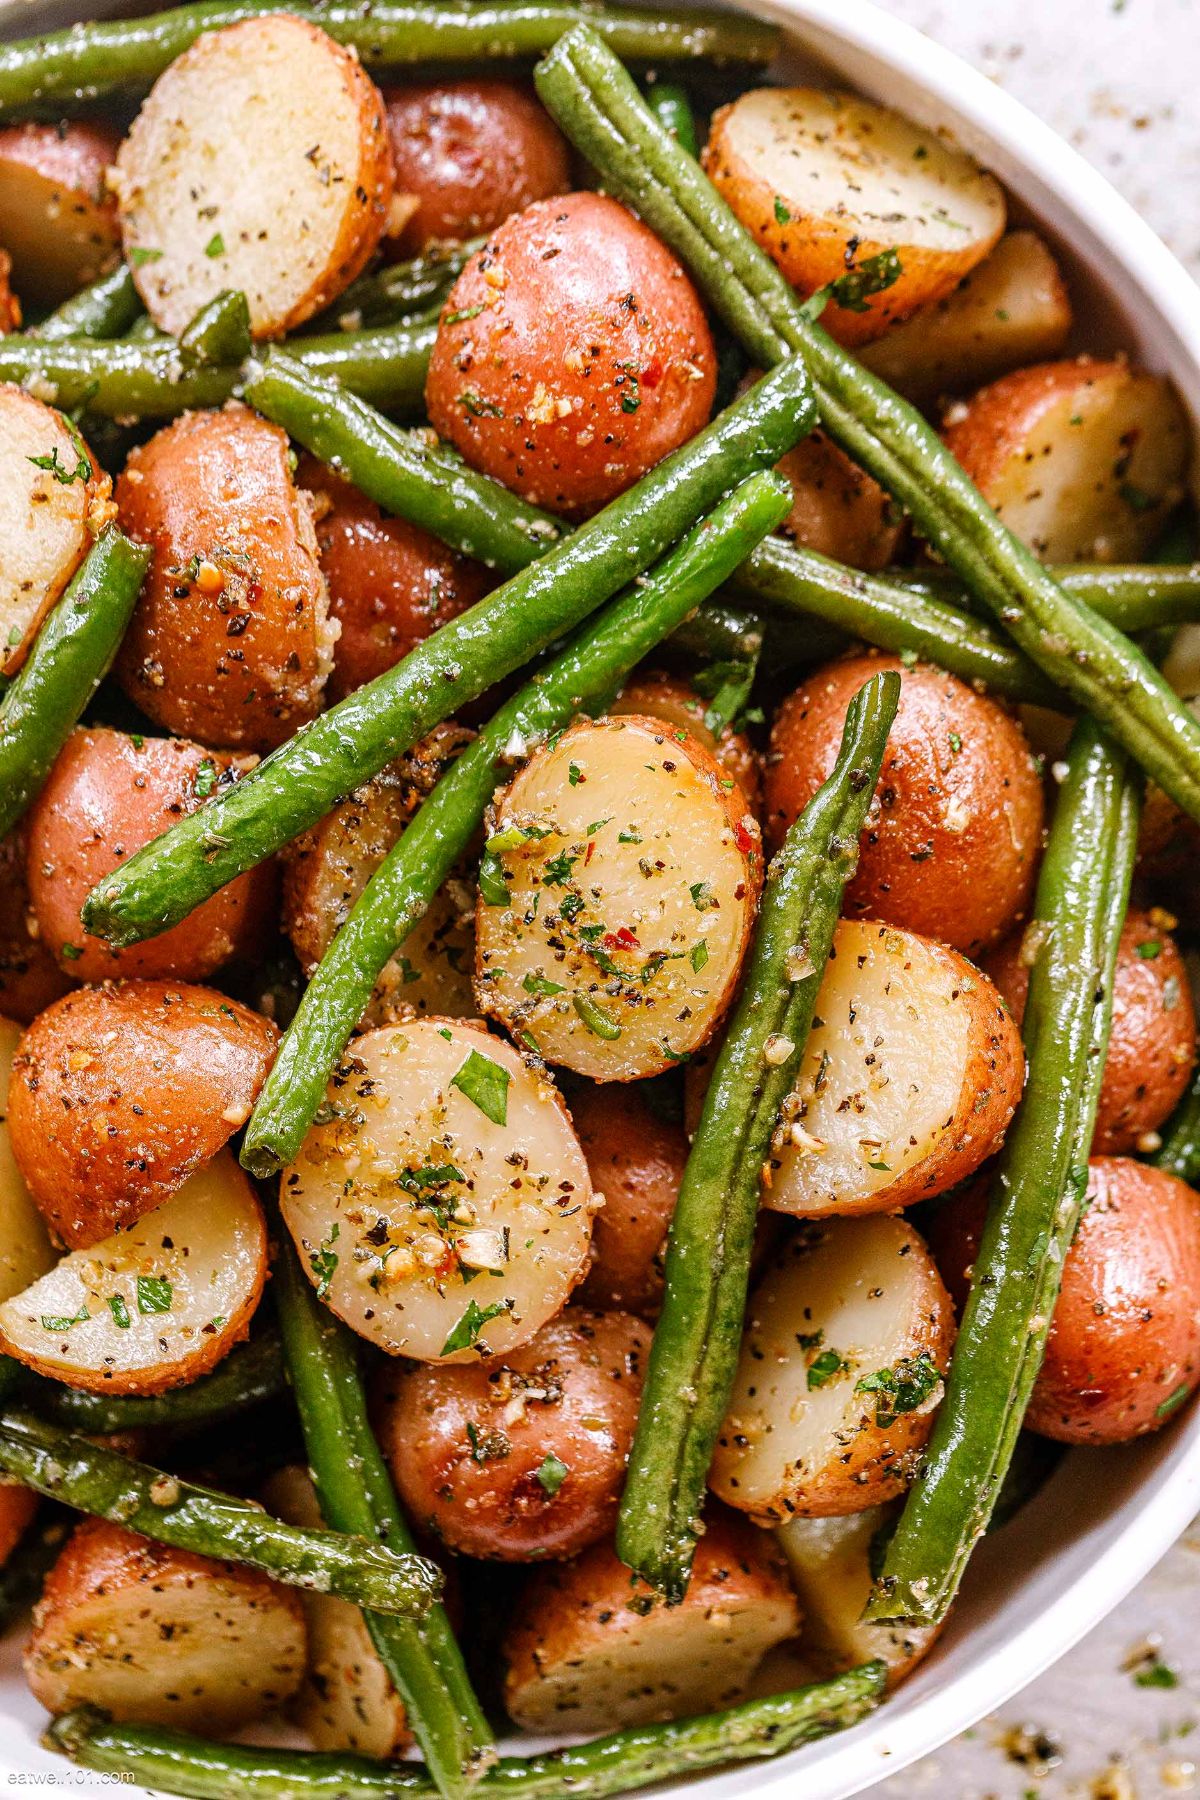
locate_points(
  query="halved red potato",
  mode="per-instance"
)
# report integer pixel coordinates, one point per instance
(10, 306)
(847, 1339)
(231, 641)
(1082, 459)
(636, 1161)
(826, 181)
(524, 1456)
(25, 1249)
(30, 979)
(654, 694)
(54, 498)
(57, 219)
(1012, 309)
(590, 1648)
(617, 897)
(327, 868)
(155, 1305)
(837, 508)
(108, 794)
(911, 1073)
(830, 1564)
(119, 1093)
(276, 95)
(443, 1208)
(159, 1635)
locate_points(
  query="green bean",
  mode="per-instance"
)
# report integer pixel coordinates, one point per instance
(1179, 1152)
(105, 309)
(673, 110)
(219, 334)
(337, 752)
(1039, 1186)
(69, 658)
(694, 1352)
(584, 676)
(720, 632)
(250, 1374)
(399, 290)
(27, 1565)
(1132, 596)
(96, 1480)
(598, 106)
(174, 1762)
(356, 1495)
(48, 75)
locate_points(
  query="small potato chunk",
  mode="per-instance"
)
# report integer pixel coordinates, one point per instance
(952, 839)
(10, 306)
(157, 1304)
(119, 1093)
(522, 1457)
(328, 867)
(826, 181)
(25, 1250)
(54, 498)
(616, 899)
(591, 1649)
(444, 1210)
(636, 1160)
(467, 155)
(830, 1564)
(1152, 1045)
(848, 1337)
(231, 640)
(57, 220)
(107, 795)
(657, 695)
(275, 96)
(837, 509)
(911, 1073)
(1012, 309)
(158, 1635)
(30, 979)
(1082, 459)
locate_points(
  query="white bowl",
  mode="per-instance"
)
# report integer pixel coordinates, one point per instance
(1105, 1517)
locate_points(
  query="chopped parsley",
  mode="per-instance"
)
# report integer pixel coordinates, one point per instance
(492, 884)
(540, 987)
(119, 1310)
(215, 245)
(782, 215)
(699, 955)
(154, 1294)
(599, 1022)
(465, 1334)
(52, 1323)
(901, 1389)
(139, 258)
(324, 1261)
(485, 1084)
(824, 1367)
(1155, 1673)
(206, 779)
(552, 1474)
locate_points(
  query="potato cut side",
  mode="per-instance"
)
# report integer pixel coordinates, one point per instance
(52, 498)
(277, 98)
(1011, 310)
(617, 896)
(830, 1563)
(157, 1635)
(57, 220)
(909, 1078)
(25, 1249)
(827, 181)
(847, 1339)
(1082, 459)
(443, 1209)
(591, 1649)
(156, 1305)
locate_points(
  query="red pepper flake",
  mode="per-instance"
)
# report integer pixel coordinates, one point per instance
(743, 839)
(652, 374)
(624, 939)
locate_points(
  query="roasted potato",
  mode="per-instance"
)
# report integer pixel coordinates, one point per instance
(25, 1249)
(158, 1635)
(443, 1207)
(826, 182)
(596, 939)
(119, 1093)
(837, 508)
(10, 306)
(30, 979)
(954, 832)
(1082, 459)
(231, 641)
(1152, 1045)
(847, 1339)
(1012, 309)
(18, 1506)
(654, 694)
(521, 1457)
(277, 96)
(54, 498)
(109, 793)
(57, 218)
(467, 155)
(636, 1160)
(572, 355)
(591, 1649)
(910, 1075)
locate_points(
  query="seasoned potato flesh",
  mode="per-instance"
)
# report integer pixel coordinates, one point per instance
(830, 1564)
(152, 1306)
(25, 1251)
(632, 869)
(431, 1228)
(45, 508)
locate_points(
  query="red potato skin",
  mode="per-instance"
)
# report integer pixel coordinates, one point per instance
(952, 839)
(230, 642)
(470, 154)
(119, 1093)
(480, 1492)
(17, 1508)
(10, 306)
(107, 795)
(658, 695)
(30, 979)
(636, 1160)
(573, 354)
(1126, 1333)
(390, 584)
(64, 232)
(1152, 1045)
